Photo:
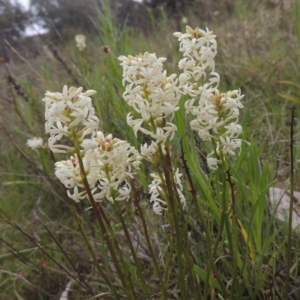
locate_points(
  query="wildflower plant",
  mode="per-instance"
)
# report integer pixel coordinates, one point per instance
(215, 114)
(165, 222)
(101, 167)
(107, 161)
(187, 212)
(155, 98)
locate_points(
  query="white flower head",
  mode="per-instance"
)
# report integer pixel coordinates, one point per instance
(118, 163)
(69, 114)
(184, 20)
(109, 163)
(216, 114)
(80, 41)
(152, 94)
(212, 162)
(35, 142)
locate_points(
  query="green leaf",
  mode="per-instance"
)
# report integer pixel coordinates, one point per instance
(200, 272)
(291, 83)
(19, 297)
(290, 98)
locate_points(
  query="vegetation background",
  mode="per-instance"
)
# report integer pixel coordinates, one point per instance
(258, 51)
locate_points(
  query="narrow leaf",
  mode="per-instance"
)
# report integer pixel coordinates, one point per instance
(289, 97)
(290, 83)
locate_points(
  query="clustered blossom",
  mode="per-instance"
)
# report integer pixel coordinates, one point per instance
(153, 95)
(155, 98)
(80, 41)
(108, 164)
(216, 114)
(69, 114)
(35, 143)
(157, 193)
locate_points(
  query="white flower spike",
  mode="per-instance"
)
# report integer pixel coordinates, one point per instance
(216, 114)
(68, 113)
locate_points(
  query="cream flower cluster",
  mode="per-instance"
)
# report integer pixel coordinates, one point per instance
(157, 193)
(216, 114)
(68, 114)
(153, 95)
(80, 41)
(108, 164)
(35, 143)
(199, 49)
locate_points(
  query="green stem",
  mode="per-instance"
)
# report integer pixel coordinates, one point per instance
(101, 217)
(183, 233)
(95, 260)
(211, 264)
(223, 222)
(132, 250)
(174, 216)
(141, 214)
(234, 237)
(289, 240)
(81, 278)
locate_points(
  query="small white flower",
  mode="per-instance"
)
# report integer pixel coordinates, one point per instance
(80, 41)
(227, 145)
(212, 162)
(124, 193)
(147, 151)
(76, 196)
(158, 195)
(68, 172)
(184, 20)
(233, 130)
(158, 208)
(35, 143)
(89, 144)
